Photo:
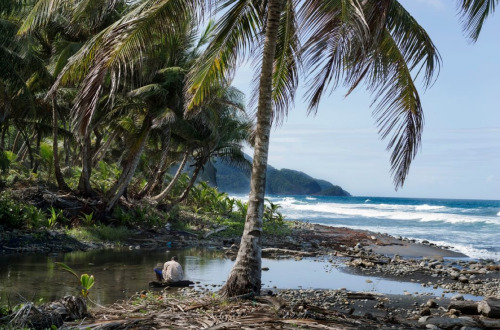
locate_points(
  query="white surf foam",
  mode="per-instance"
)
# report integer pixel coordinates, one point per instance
(427, 207)
(292, 207)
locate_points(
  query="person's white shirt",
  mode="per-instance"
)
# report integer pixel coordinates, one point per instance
(172, 271)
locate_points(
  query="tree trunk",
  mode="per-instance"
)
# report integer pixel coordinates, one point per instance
(132, 161)
(190, 185)
(245, 277)
(172, 182)
(84, 183)
(101, 152)
(2, 138)
(67, 148)
(28, 147)
(15, 141)
(160, 168)
(55, 148)
(37, 151)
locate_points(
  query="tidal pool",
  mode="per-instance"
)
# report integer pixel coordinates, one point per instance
(121, 273)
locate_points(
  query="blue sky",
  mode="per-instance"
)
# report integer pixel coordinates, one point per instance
(460, 155)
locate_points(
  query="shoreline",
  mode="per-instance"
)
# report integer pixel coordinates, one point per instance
(363, 252)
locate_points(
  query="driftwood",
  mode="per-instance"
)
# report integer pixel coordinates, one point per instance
(466, 307)
(363, 295)
(273, 251)
(215, 231)
(179, 284)
(489, 307)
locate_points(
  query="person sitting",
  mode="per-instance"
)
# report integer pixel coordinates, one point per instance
(171, 272)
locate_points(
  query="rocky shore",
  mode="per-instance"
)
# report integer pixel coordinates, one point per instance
(468, 282)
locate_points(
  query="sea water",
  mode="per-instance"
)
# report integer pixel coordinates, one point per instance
(468, 226)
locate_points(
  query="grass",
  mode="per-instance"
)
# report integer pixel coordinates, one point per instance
(100, 233)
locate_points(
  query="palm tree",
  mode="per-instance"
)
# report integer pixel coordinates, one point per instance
(353, 40)
(241, 29)
(218, 131)
(113, 52)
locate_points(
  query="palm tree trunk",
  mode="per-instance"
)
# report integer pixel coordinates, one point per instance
(172, 182)
(99, 155)
(37, 151)
(160, 169)
(84, 183)
(245, 277)
(26, 145)
(191, 182)
(67, 147)
(15, 141)
(55, 148)
(133, 160)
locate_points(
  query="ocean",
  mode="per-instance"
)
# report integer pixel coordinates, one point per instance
(468, 226)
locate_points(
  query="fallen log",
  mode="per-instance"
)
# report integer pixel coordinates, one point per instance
(179, 284)
(272, 251)
(363, 295)
(466, 307)
(489, 307)
(215, 231)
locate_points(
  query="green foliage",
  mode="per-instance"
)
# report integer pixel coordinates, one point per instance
(100, 233)
(46, 158)
(224, 211)
(17, 215)
(105, 175)
(4, 161)
(87, 219)
(54, 216)
(145, 216)
(86, 281)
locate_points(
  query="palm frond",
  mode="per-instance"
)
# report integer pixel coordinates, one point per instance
(398, 111)
(333, 28)
(41, 14)
(286, 63)
(234, 34)
(474, 14)
(120, 46)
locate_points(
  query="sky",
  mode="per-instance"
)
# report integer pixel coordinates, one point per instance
(460, 154)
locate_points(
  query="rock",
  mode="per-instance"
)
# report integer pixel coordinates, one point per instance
(361, 263)
(490, 323)
(466, 307)
(424, 319)
(265, 268)
(457, 297)
(425, 312)
(450, 323)
(431, 303)
(489, 307)
(463, 279)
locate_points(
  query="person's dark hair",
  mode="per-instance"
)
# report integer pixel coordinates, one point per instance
(175, 258)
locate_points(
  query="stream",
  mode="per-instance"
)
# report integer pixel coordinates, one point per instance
(121, 273)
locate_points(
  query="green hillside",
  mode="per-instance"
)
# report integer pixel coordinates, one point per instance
(279, 182)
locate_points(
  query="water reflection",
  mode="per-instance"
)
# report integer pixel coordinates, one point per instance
(119, 274)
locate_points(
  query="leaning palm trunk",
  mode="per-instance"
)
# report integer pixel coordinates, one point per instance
(133, 160)
(245, 277)
(55, 152)
(84, 183)
(172, 182)
(37, 151)
(101, 152)
(191, 182)
(160, 169)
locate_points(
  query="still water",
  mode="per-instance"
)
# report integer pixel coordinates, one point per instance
(121, 273)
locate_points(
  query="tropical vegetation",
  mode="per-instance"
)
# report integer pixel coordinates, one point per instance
(102, 98)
